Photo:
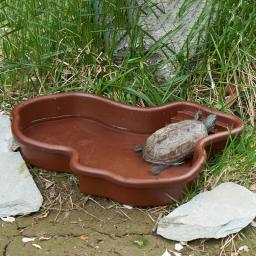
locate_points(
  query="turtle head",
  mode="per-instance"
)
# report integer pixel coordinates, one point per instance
(210, 121)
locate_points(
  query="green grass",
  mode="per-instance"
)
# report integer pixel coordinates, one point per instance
(58, 46)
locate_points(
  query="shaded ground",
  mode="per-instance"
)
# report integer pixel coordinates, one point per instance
(71, 223)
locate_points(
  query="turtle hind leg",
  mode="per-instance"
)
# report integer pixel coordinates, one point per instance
(156, 169)
(138, 148)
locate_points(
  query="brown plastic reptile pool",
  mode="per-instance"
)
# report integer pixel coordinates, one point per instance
(93, 138)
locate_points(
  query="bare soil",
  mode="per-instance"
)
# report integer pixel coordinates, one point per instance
(71, 223)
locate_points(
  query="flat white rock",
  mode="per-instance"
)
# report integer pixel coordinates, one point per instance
(6, 138)
(19, 194)
(213, 214)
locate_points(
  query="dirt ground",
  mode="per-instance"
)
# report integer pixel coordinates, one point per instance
(71, 223)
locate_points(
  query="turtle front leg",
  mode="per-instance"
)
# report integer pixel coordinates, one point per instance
(138, 148)
(156, 169)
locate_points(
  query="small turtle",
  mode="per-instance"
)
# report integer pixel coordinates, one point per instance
(173, 143)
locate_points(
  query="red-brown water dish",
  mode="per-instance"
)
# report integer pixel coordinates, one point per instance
(93, 138)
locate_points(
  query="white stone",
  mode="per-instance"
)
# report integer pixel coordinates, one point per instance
(6, 138)
(166, 253)
(28, 239)
(178, 247)
(213, 214)
(243, 248)
(8, 219)
(19, 194)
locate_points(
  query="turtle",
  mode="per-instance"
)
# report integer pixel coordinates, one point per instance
(172, 144)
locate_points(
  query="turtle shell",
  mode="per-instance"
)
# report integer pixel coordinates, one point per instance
(174, 142)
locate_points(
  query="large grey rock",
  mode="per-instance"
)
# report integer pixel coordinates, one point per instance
(213, 214)
(19, 194)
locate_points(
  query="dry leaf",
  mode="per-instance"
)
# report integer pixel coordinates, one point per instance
(44, 238)
(84, 237)
(138, 242)
(66, 214)
(244, 248)
(178, 247)
(8, 219)
(231, 95)
(43, 215)
(253, 187)
(28, 239)
(37, 246)
(48, 183)
(127, 206)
